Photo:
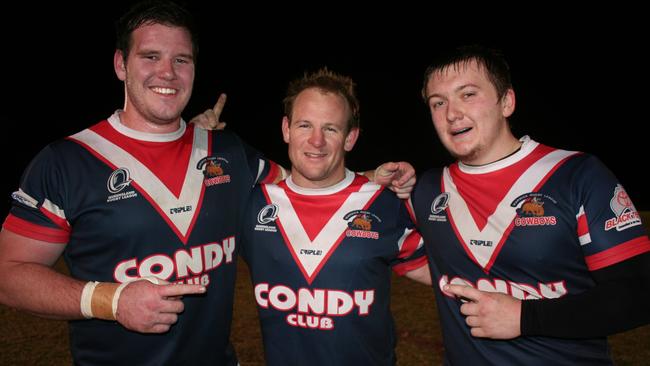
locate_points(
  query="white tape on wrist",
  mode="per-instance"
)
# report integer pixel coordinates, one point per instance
(116, 297)
(118, 292)
(86, 299)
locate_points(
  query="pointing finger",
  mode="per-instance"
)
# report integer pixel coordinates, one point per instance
(179, 290)
(218, 107)
(465, 292)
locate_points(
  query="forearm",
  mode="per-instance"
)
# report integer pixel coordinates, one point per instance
(619, 302)
(370, 174)
(40, 290)
(421, 275)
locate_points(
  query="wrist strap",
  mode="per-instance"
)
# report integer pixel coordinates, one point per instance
(100, 299)
(86, 297)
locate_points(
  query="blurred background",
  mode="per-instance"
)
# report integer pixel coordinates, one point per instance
(580, 80)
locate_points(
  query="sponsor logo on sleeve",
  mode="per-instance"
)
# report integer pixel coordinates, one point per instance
(626, 215)
(24, 198)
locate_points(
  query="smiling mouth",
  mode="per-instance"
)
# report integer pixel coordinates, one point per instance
(164, 91)
(315, 155)
(460, 132)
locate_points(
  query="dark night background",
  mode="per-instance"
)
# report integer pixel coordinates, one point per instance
(580, 78)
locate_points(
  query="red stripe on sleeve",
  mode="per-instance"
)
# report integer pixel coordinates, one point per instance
(37, 232)
(618, 253)
(410, 244)
(402, 268)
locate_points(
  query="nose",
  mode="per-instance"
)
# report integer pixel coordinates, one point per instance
(166, 69)
(454, 112)
(317, 138)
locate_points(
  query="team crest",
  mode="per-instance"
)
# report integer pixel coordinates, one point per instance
(116, 184)
(213, 170)
(266, 218)
(531, 210)
(439, 204)
(360, 224)
(625, 213)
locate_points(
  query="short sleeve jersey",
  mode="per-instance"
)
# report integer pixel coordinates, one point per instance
(533, 226)
(320, 262)
(126, 205)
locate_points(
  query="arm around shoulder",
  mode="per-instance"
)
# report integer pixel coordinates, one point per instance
(398, 177)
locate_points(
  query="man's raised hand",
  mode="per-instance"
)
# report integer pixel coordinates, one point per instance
(209, 120)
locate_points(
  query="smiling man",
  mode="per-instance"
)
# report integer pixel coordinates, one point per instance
(321, 244)
(140, 194)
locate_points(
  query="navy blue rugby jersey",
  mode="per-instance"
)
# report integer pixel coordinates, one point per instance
(128, 204)
(533, 226)
(320, 262)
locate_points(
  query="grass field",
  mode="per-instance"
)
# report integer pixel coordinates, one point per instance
(27, 340)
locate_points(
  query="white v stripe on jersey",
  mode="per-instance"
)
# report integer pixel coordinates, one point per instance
(160, 197)
(327, 239)
(497, 224)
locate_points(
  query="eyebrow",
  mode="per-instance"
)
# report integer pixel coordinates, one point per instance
(186, 55)
(326, 124)
(158, 52)
(460, 88)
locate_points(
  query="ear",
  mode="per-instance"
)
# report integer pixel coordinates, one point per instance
(508, 103)
(285, 129)
(351, 139)
(118, 65)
